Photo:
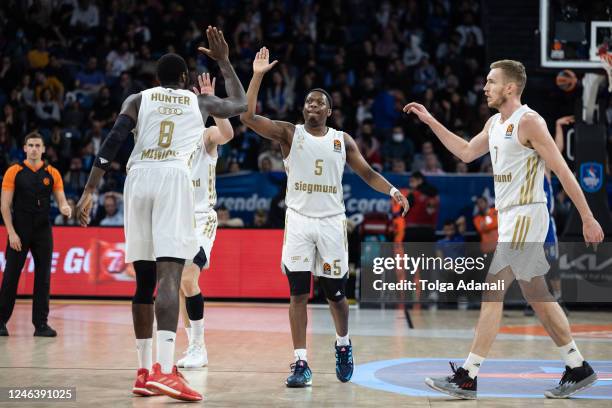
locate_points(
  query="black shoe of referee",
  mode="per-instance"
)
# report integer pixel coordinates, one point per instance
(44, 330)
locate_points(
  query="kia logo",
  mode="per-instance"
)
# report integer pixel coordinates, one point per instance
(164, 110)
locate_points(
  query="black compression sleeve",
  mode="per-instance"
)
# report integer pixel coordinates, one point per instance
(120, 131)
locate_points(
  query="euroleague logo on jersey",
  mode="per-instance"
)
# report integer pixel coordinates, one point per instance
(337, 146)
(509, 131)
(165, 110)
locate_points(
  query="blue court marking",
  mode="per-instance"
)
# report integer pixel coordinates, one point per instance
(406, 376)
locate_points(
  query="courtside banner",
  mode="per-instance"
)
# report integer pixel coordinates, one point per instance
(460, 272)
(91, 262)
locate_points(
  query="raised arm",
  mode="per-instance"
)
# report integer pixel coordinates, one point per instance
(235, 103)
(125, 123)
(374, 179)
(276, 130)
(533, 130)
(466, 151)
(223, 132)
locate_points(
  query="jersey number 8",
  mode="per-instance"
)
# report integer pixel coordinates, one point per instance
(166, 128)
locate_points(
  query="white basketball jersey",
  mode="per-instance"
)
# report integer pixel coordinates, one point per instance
(203, 174)
(169, 128)
(518, 171)
(314, 173)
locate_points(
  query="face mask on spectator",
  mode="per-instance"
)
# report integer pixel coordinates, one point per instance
(398, 137)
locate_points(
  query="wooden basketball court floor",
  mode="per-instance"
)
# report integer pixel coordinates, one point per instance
(249, 348)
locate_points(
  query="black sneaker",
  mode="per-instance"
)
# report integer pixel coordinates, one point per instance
(528, 311)
(459, 385)
(301, 376)
(44, 331)
(344, 362)
(573, 381)
(3, 330)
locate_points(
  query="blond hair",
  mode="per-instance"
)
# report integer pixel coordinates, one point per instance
(514, 71)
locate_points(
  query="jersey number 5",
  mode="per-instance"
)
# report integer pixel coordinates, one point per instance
(318, 167)
(166, 128)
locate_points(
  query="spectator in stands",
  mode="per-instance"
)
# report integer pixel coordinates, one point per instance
(485, 222)
(42, 82)
(369, 145)
(419, 158)
(363, 57)
(398, 147)
(271, 159)
(118, 61)
(75, 179)
(90, 79)
(432, 165)
(13, 122)
(113, 209)
(260, 219)
(103, 110)
(39, 57)
(85, 16)
(47, 110)
(422, 218)
(225, 220)
(279, 96)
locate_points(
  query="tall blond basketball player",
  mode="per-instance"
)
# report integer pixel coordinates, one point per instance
(315, 224)
(203, 178)
(168, 122)
(520, 145)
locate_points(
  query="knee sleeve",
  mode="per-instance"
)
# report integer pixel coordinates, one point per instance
(299, 282)
(200, 259)
(334, 289)
(146, 278)
(195, 307)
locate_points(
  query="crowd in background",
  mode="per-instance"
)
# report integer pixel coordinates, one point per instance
(67, 65)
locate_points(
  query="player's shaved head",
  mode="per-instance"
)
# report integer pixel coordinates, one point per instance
(170, 69)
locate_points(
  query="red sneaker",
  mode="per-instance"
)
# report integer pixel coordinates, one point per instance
(140, 384)
(173, 385)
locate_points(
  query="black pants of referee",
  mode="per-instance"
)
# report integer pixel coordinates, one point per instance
(35, 234)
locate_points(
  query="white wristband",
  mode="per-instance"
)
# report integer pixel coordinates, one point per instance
(393, 191)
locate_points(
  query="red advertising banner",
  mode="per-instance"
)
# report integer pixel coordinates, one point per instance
(91, 262)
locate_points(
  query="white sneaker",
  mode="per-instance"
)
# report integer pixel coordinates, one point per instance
(181, 362)
(197, 357)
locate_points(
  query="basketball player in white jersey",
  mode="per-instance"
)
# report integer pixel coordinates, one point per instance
(203, 178)
(315, 223)
(168, 123)
(520, 144)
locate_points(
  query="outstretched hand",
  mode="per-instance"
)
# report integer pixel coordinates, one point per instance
(420, 111)
(261, 63)
(206, 87)
(219, 50)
